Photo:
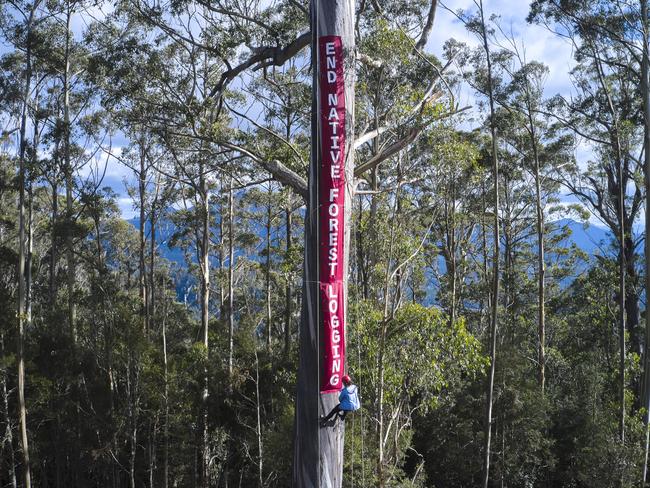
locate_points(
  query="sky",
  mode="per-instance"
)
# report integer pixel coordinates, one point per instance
(539, 44)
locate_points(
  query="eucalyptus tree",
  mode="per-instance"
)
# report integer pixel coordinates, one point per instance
(606, 113)
(543, 150)
(223, 43)
(485, 85)
(451, 188)
(24, 29)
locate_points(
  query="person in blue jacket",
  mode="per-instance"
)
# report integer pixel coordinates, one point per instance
(348, 401)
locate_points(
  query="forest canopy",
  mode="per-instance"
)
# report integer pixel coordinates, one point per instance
(155, 194)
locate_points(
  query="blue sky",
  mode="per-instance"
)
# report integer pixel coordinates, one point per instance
(538, 42)
(540, 45)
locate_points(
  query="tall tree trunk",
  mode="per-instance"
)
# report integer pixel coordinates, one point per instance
(53, 240)
(287, 291)
(231, 282)
(132, 388)
(153, 216)
(495, 260)
(645, 93)
(69, 199)
(268, 270)
(30, 217)
(449, 250)
(152, 449)
(318, 452)
(166, 404)
(8, 439)
(205, 317)
(30, 252)
(541, 265)
(619, 193)
(389, 308)
(258, 402)
(621, 292)
(22, 312)
(142, 281)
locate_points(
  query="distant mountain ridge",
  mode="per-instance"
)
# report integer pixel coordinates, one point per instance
(591, 239)
(587, 237)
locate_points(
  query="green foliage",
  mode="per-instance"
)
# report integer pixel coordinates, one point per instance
(424, 359)
(200, 100)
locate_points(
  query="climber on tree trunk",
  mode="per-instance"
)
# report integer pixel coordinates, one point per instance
(348, 401)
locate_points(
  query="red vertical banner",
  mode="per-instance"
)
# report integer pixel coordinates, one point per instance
(331, 210)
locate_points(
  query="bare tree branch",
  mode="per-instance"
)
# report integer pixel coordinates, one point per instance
(424, 37)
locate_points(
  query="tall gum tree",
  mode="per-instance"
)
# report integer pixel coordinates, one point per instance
(318, 452)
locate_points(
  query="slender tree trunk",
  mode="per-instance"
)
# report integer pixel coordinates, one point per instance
(8, 434)
(380, 407)
(69, 199)
(541, 264)
(205, 317)
(495, 261)
(485, 298)
(288, 292)
(645, 93)
(258, 401)
(387, 315)
(133, 423)
(142, 281)
(22, 291)
(268, 270)
(621, 291)
(152, 450)
(231, 300)
(166, 404)
(541, 259)
(231, 282)
(30, 254)
(450, 231)
(30, 218)
(53, 241)
(153, 216)
(22, 321)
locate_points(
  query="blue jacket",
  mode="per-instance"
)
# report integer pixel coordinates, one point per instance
(349, 398)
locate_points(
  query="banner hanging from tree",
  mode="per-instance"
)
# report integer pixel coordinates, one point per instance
(332, 210)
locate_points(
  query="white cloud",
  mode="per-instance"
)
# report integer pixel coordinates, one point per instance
(127, 210)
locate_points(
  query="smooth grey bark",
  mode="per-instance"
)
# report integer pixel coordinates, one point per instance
(258, 402)
(143, 282)
(22, 291)
(267, 271)
(8, 438)
(53, 244)
(288, 292)
(231, 281)
(389, 309)
(541, 264)
(621, 236)
(166, 404)
(69, 181)
(318, 452)
(204, 246)
(495, 258)
(645, 93)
